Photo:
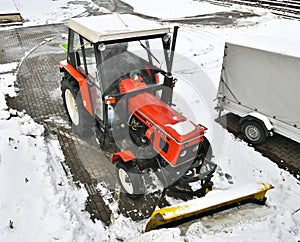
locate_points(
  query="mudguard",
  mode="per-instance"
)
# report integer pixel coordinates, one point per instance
(125, 156)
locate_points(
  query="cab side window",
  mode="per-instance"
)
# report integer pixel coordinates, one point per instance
(90, 58)
(82, 55)
(77, 49)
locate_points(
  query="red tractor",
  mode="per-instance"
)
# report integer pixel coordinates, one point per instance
(117, 80)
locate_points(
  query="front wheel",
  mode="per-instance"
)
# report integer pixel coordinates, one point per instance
(205, 150)
(130, 179)
(253, 132)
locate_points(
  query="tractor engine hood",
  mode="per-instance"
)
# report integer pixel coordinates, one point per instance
(159, 115)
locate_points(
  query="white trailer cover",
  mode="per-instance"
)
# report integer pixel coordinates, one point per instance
(263, 81)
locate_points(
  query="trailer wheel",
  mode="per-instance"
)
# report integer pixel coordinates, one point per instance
(82, 122)
(130, 179)
(253, 132)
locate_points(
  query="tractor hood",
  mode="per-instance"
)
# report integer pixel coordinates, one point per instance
(163, 117)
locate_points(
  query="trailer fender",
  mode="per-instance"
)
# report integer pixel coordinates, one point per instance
(262, 119)
(124, 156)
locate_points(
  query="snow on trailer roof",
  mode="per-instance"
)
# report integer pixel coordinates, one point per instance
(115, 26)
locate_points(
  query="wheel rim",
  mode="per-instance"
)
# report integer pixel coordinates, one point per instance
(125, 181)
(252, 133)
(72, 107)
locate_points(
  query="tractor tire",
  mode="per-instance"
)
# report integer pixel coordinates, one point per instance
(130, 179)
(205, 150)
(204, 154)
(82, 122)
(253, 132)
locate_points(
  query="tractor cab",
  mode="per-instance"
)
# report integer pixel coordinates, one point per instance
(104, 50)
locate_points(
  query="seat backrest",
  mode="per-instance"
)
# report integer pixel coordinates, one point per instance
(128, 85)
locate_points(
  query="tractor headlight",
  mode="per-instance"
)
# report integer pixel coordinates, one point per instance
(102, 47)
(195, 148)
(183, 153)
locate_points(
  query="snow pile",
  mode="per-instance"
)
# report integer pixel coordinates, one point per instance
(37, 202)
(7, 85)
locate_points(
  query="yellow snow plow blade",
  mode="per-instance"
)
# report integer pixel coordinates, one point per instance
(214, 201)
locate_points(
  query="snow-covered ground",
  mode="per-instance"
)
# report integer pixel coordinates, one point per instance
(38, 203)
(47, 11)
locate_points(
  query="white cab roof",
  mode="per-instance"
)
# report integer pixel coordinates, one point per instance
(115, 26)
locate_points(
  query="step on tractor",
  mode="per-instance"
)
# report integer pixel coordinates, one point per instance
(117, 82)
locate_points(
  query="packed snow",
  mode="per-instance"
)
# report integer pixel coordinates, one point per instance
(38, 201)
(174, 9)
(47, 11)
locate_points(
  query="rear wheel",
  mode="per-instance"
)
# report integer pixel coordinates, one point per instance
(130, 179)
(82, 122)
(253, 132)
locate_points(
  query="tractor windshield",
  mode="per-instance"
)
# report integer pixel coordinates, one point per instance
(119, 59)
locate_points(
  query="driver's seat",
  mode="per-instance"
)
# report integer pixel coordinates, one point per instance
(128, 85)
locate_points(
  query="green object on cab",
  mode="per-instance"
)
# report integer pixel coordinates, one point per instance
(65, 47)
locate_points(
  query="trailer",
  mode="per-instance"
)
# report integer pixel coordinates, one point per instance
(262, 87)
